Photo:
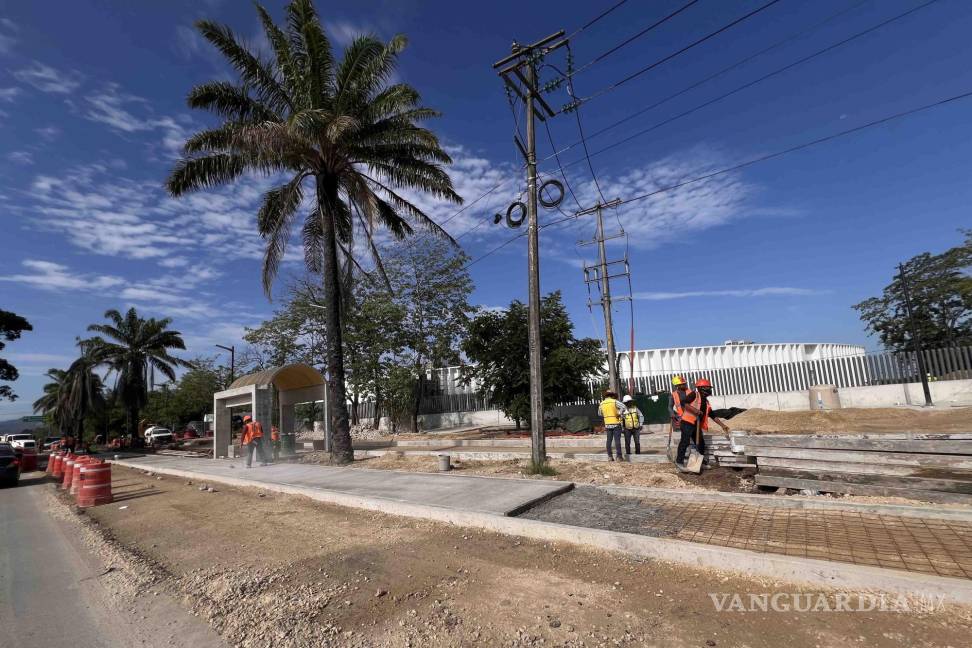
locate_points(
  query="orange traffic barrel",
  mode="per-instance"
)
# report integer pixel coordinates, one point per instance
(57, 461)
(68, 471)
(50, 463)
(76, 472)
(29, 461)
(95, 484)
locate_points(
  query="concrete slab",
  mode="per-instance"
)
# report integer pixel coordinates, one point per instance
(502, 454)
(463, 493)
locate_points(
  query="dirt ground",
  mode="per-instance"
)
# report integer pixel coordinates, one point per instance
(581, 472)
(268, 569)
(855, 421)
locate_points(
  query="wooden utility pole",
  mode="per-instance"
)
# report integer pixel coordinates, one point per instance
(915, 334)
(522, 63)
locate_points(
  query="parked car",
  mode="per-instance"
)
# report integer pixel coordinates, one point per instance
(9, 465)
(158, 435)
(21, 440)
(50, 443)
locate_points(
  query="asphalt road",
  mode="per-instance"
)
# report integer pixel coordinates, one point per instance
(50, 594)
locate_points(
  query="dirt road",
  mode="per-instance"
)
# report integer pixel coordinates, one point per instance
(275, 569)
(55, 592)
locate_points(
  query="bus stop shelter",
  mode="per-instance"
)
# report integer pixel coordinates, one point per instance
(295, 384)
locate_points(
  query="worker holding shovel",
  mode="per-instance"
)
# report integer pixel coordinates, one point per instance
(679, 392)
(696, 412)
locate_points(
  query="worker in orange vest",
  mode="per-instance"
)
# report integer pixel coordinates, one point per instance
(696, 412)
(679, 392)
(252, 441)
(275, 441)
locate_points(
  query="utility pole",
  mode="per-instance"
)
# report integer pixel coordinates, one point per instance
(915, 334)
(232, 351)
(603, 277)
(526, 57)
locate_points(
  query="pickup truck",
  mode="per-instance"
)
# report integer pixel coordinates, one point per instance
(158, 435)
(20, 441)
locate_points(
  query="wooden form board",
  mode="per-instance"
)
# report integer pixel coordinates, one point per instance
(861, 489)
(960, 462)
(873, 468)
(754, 445)
(942, 484)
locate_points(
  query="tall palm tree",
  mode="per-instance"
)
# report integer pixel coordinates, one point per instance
(132, 345)
(339, 127)
(83, 391)
(53, 403)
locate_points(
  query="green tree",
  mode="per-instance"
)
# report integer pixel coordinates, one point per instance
(11, 326)
(190, 398)
(52, 404)
(82, 390)
(941, 297)
(498, 349)
(339, 126)
(132, 345)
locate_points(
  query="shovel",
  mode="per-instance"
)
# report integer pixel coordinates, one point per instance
(693, 462)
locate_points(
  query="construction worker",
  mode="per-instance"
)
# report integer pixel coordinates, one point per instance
(251, 441)
(696, 412)
(633, 420)
(679, 392)
(612, 411)
(275, 441)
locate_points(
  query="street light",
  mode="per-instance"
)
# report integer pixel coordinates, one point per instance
(232, 351)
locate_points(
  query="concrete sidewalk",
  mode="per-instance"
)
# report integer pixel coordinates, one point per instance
(462, 493)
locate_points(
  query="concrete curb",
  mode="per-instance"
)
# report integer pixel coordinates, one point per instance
(927, 511)
(501, 455)
(807, 571)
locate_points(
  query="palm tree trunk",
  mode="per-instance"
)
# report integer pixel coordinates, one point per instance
(133, 426)
(341, 449)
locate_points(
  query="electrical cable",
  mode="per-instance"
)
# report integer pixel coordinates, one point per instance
(627, 41)
(595, 19)
(755, 82)
(748, 163)
(715, 75)
(696, 43)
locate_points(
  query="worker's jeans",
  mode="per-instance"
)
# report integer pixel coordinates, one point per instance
(251, 448)
(613, 432)
(276, 449)
(688, 437)
(628, 434)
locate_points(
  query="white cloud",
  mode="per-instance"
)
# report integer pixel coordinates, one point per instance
(343, 33)
(21, 157)
(9, 94)
(52, 358)
(784, 291)
(48, 133)
(174, 262)
(111, 107)
(7, 39)
(47, 275)
(47, 79)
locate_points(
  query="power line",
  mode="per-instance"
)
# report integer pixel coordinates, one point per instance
(595, 19)
(800, 147)
(748, 163)
(753, 83)
(649, 28)
(715, 75)
(696, 43)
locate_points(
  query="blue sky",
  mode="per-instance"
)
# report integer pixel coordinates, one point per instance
(92, 115)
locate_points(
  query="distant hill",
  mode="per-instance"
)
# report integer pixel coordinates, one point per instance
(16, 425)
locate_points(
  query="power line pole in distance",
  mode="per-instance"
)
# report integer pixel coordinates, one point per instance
(522, 64)
(602, 275)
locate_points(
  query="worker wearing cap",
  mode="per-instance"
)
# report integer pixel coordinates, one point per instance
(252, 441)
(612, 411)
(633, 420)
(275, 441)
(696, 412)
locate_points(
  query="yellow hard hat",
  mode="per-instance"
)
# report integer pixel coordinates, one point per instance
(678, 380)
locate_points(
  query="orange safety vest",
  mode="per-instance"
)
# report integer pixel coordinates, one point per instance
(677, 403)
(252, 431)
(274, 434)
(689, 417)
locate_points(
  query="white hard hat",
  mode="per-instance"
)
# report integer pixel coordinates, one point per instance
(627, 398)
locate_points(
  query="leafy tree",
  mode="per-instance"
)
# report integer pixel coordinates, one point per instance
(132, 345)
(339, 127)
(82, 390)
(53, 404)
(941, 297)
(498, 350)
(11, 326)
